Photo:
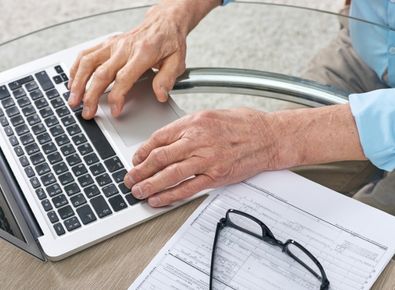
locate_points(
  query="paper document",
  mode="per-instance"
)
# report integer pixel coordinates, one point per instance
(353, 242)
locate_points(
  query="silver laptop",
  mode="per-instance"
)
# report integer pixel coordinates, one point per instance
(61, 176)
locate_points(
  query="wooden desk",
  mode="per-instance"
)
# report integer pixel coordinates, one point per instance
(112, 264)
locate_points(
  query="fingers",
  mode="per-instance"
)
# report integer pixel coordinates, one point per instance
(170, 69)
(170, 176)
(181, 191)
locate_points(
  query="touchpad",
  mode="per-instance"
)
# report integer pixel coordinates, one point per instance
(141, 116)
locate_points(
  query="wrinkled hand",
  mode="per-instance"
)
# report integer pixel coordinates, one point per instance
(215, 147)
(159, 42)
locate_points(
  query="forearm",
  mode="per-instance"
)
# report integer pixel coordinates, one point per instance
(314, 136)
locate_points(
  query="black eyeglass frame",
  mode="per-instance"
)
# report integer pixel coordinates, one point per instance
(267, 236)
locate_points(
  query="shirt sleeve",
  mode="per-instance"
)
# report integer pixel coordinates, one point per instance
(224, 2)
(374, 113)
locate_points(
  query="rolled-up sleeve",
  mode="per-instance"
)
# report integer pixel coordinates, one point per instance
(374, 113)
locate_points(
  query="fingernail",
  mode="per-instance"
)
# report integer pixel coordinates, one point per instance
(86, 112)
(165, 93)
(129, 182)
(136, 191)
(72, 98)
(154, 201)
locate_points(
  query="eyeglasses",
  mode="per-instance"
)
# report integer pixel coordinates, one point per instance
(250, 225)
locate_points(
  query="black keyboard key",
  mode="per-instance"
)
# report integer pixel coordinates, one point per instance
(38, 129)
(103, 179)
(57, 102)
(49, 148)
(97, 169)
(131, 200)
(113, 164)
(54, 158)
(46, 112)
(52, 94)
(1, 112)
(37, 158)
(14, 141)
(54, 190)
(4, 93)
(52, 216)
(77, 200)
(51, 121)
(123, 188)
(110, 190)
(72, 189)
(33, 120)
(79, 169)
(46, 205)
(22, 129)
(58, 69)
(119, 175)
(73, 159)
(67, 149)
(68, 120)
(17, 84)
(73, 129)
(117, 203)
(56, 130)
(3, 121)
(65, 212)
(28, 110)
(7, 103)
(72, 224)
(97, 137)
(60, 168)
(17, 120)
(18, 151)
(44, 81)
(57, 79)
(15, 111)
(79, 139)
(35, 95)
(40, 193)
(32, 149)
(24, 101)
(91, 191)
(43, 168)
(59, 229)
(29, 171)
(64, 77)
(18, 93)
(43, 138)
(41, 103)
(86, 214)
(62, 111)
(91, 159)
(85, 180)
(66, 96)
(27, 139)
(59, 200)
(31, 86)
(8, 131)
(48, 179)
(100, 206)
(66, 178)
(62, 140)
(24, 161)
(85, 149)
(66, 85)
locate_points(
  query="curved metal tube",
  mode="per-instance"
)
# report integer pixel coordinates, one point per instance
(258, 83)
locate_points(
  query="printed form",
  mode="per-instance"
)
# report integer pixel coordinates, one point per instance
(353, 242)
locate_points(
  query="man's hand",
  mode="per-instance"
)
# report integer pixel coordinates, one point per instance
(159, 42)
(200, 151)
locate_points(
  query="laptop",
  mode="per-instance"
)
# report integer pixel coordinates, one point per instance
(61, 177)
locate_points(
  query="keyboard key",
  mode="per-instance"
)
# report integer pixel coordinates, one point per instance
(64, 77)
(68, 120)
(57, 79)
(119, 175)
(3, 121)
(32, 149)
(62, 140)
(85, 149)
(97, 137)
(73, 129)
(117, 203)
(100, 206)
(27, 139)
(46, 205)
(17, 120)
(72, 189)
(54, 190)
(41, 103)
(17, 84)
(66, 85)
(49, 148)
(67, 149)
(91, 159)
(4, 93)
(73, 159)
(7, 103)
(51, 121)
(14, 141)
(56, 130)
(59, 229)
(85, 180)
(103, 179)
(57, 102)
(43, 168)
(86, 214)
(66, 96)
(77, 200)
(48, 179)
(44, 81)
(62, 111)
(79, 139)
(59, 200)
(18, 151)
(31, 86)
(72, 224)
(46, 112)
(27, 111)
(33, 120)
(40, 193)
(54, 158)
(24, 161)
(91, 191)
(37, 158)
(65, 212)
(38, 129)
(52, 216)
(35, 95)
(113, 164)
(15, 111)
(110, 190)
(123, 188)
(18, 93)
(24, 101)
(8, 131)
(131, 200)
(43, 138)
(52, 94)
(1, 112)
(29, 171)
(58, 69)
(66, 178)
(60, 168)
(97, 169)
(79, 169)
(22, 129)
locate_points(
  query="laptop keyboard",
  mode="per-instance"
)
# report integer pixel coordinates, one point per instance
(73, 169)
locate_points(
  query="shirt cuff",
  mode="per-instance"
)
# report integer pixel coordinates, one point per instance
(374, 114)
(224, 2)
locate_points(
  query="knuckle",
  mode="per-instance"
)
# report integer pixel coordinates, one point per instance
(86, 61)
(102, 74)
(160, 156)
(176, 171)
(147, 188)
(121, 77)
(219, 172)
